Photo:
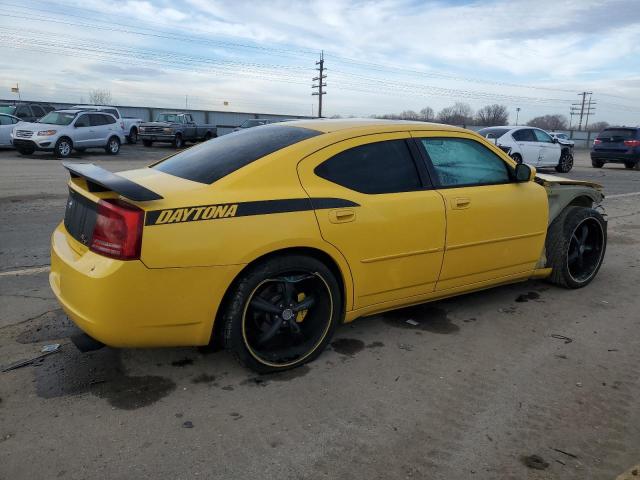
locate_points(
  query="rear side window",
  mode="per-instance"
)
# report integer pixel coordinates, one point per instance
(109, 119)
(96, 119)
(380, 167)
(83, 121)
(217, 158)
(493, 132)
(459, 161)
(525, 135)
(542, 136)
(617, 134)
(112, 111)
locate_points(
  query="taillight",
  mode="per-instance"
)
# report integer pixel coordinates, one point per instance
(632, 143)
(118, 230)
(597, 141)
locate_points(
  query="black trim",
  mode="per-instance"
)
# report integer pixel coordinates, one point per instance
(99, 179)
(198, 213)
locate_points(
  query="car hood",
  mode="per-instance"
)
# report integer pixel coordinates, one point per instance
(548, 180)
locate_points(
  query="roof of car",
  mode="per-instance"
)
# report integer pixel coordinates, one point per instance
(91, 106)
(335, 125)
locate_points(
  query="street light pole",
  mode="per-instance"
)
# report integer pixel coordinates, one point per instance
(517, 114)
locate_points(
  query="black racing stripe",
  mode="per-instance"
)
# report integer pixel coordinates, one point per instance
(242, 209)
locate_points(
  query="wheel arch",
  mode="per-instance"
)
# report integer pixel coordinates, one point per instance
(338, 267)
(563, 198)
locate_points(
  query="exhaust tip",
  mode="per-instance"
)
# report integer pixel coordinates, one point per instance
(85, 343)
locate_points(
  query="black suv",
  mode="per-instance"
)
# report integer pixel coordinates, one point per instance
(617, 145)
(27, 112)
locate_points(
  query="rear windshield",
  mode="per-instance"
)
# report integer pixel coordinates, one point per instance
(617, 134)
(213, 160)
(58, 118)
(493, 132)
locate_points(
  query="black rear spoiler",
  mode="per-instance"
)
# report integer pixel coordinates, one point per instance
(100, 180)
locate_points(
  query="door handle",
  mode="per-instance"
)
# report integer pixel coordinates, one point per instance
(460, 203)
(342, 215)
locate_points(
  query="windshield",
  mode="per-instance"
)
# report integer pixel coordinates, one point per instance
(493, 132)
(10, 109)
(57, 118)
(167, 117)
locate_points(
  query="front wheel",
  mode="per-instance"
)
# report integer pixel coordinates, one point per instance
(566, 163)
(113, 146)
(178, 142)
(282, 313)
(147, 143)
(63, 148)
(132, 138)
(517, 157)
(596, 163)
(575, 246)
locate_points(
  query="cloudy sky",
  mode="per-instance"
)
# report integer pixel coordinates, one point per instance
(382, 56)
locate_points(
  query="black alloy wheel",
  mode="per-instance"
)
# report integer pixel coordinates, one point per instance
(585, 250)
(566, 163)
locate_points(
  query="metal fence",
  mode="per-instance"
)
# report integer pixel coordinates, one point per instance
(581, 138)
(225, 121)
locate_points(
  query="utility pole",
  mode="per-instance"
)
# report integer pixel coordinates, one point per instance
(590, 110)
(517, 114)
(574, 110)
(320, 79)
(582, 110)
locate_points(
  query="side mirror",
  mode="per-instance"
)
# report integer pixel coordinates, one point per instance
(523, 173)
(554, 139)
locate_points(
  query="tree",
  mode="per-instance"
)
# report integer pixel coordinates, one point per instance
(427, 114)
(458, 114)
(408, 115)
(598, 126)
(549, 122)
(100, 97)
(491, 115)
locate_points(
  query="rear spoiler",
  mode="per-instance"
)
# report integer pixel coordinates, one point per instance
(100, 180)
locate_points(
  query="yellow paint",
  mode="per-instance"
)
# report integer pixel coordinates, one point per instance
(392, 250)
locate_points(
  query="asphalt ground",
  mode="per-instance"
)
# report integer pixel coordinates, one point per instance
(478, 386)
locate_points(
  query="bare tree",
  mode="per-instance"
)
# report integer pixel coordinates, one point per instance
(598, 126)
(100, 97)
(549, 122)
(408, 115)
(492, 115)
(458, 114)
(427, 114)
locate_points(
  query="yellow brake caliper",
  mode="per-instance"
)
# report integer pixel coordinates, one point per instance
(301, 313)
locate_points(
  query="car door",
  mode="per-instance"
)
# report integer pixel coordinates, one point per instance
(99, 130)
(6, 125)
(496, 227)
(386, 220)
(82, 134)
(528, 145)
(189, 128)
(549, 150)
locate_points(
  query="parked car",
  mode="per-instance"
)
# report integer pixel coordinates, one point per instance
(7, 123)
(256, 122)
(175, 128)
(617, 145)
(532, 146)
(130, 126)
(63, 131)
(563, 139)
(27, 112)
(267, 239)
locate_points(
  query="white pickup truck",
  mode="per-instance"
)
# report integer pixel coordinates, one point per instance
(130, 126)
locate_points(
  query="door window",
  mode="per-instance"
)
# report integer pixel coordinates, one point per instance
(37, 111)
(524, 135)
(97, 120)
(460, 161)
(83, 121)
(542, 136)
(380, 167)
(23, 111)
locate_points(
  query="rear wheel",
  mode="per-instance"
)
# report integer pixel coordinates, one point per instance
(575, 246)
(517, 157)
(147, 143)
(63, 148)
(113, 146)
(282, 313)
(178, 142)
(596, 163)
(632, 165)
(566, 162)
(132, 139)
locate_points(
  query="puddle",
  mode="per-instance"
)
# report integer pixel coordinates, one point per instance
(375, 345)
(100, 373)
(347, 346)
(423, 317)
(525, 297)
(53, 325)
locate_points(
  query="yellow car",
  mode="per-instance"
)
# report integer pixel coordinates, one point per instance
(267, 238)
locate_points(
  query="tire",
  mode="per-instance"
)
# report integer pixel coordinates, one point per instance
(566, 162)
(266, 340)
(81, 150)
(517, 157)
(629, 165)
(576, 254)
(26, 151)
(596, 163)
(178, 142)
(207, 137)
(132, 138)
(147, 143)
(63, 148)
(113, 146)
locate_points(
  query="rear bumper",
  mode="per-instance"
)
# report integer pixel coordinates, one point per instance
(615, 157)
(126, 304)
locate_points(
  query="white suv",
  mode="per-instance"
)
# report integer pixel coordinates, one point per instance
(63, 131)
(130, 126)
